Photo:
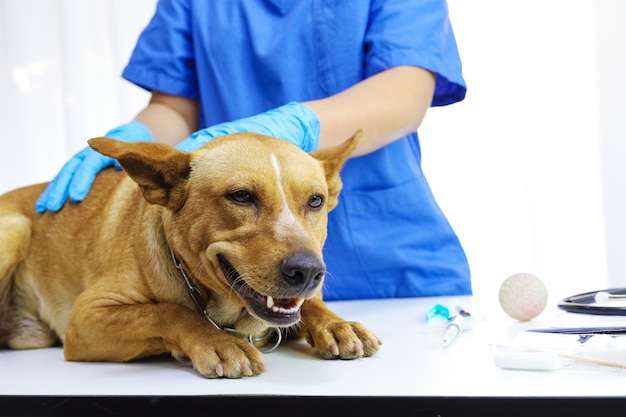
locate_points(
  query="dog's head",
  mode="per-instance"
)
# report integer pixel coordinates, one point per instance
(246, 214)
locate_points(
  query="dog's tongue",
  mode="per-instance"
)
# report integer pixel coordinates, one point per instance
(284, 302)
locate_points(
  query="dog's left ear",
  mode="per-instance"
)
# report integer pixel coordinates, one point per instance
(160, 170)
(332, 160)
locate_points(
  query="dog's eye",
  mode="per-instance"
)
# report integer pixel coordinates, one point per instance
(316, 201)
(241, 196)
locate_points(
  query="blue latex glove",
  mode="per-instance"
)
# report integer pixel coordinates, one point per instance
(77, 175)
(293, 122)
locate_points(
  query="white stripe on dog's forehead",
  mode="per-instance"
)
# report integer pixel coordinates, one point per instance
(286, 220)
(276, 166)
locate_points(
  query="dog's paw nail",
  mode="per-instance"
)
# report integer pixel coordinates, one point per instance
(219, 370)
(358, 349)
(260, 366)
(334, 349)
(245, 368)
(374, 344)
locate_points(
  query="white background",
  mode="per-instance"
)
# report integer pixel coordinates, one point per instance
(528, 168)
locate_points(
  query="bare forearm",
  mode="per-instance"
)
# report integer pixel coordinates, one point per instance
(170, 119)
(386, 106)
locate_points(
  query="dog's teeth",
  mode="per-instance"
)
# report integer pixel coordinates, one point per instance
(283, 310)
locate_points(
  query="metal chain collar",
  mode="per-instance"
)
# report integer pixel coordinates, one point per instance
(200, 302)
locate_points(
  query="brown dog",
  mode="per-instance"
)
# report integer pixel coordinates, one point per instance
(222, 251)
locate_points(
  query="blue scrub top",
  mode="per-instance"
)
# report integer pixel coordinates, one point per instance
(387, 237)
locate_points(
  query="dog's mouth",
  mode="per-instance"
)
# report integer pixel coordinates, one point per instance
(274, 310)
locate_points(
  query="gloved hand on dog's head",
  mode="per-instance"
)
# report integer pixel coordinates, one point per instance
(77, 175)
(293, 122)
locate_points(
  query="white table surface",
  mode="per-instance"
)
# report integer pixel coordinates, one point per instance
(410, 363)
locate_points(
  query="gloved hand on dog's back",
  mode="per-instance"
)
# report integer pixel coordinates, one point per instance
(78, 174)
(293, 122)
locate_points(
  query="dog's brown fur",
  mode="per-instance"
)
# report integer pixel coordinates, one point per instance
(242, 215)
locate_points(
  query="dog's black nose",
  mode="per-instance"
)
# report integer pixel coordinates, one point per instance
(302, 270)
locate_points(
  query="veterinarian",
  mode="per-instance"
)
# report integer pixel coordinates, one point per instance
(312, 73)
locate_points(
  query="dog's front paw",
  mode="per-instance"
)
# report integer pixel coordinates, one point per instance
(342, 339)
(230, 358)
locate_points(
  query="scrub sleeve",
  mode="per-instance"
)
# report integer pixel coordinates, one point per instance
(387, 237)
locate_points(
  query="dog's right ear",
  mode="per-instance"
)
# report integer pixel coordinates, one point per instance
(160, 170)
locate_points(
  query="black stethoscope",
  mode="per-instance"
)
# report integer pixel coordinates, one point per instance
(596, 302)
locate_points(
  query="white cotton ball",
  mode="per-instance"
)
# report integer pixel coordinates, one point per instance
(523, 296)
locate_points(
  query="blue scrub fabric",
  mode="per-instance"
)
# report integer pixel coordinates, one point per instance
(387, 237)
